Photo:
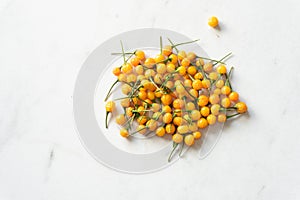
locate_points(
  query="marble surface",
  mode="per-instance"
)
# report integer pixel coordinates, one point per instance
(42, 47)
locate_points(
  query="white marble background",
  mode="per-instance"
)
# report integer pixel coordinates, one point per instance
(42, 46)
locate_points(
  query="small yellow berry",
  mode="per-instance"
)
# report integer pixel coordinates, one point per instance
(142, 120)
(149, 73)
(124, 133)
(159, 58)
(139, 69)
(191, 56)
(125, 103)
(205, 111)
(221, 69)
(213, 21)
(214, 99)
(160, 131)
(213, 76)
(142, 95)
(177, 138)
(177, 121)
(241, 107)
(202, 100)
(192, 70)
(190, 106)
(180, 89)
(166, 99)
(211, 119)
(222, 118)
(135, 61)
(167, 118)
(167, 109)
(167, 50)
(142, 129)
(202, 123)
(120, 119)
(185, 62)
(217, 91)
(197, 84)
(181, 55)
(173, 58)
(187, 83)
(151, 124)
(225, 102)
(197, 135)
(149, 62)
(131, 78)
(126, 89)
(225, 90)
(117, 71)
(150, 95)
(194, 93)
(158, 79)
(140, 54)
(198, 76)
(183, 129)
(110, 106)
(189, 140)
(220, 83)
(129, 112)
(181, 70)
(233, 96)
(193, 126)
(205, 83)
(195, 115)
(157, 116)
(178, 103)
(170, 128)
(161, 68)
(122, 78)
(126, 68)
(199, 62)
(208, 67)
(214, 109)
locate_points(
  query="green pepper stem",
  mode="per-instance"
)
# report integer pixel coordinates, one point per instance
(151, 80)
(163, 61)
(141, 111)
(130, 57)
(229, 109)
(108, 94)
(126, 53)
(229, 116)
(173, 46)
(106, 124)
(174, 147)
(222, 59)
(160, 43)
(144, 101)
(202, 71)
(181, 149)
(191, 77)
(230, 72)
(139, 130)
(176, 45)
(213, 60)
(158, 116)
(188, 91)
(227, 82)
(123, 98)
(123, 53)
